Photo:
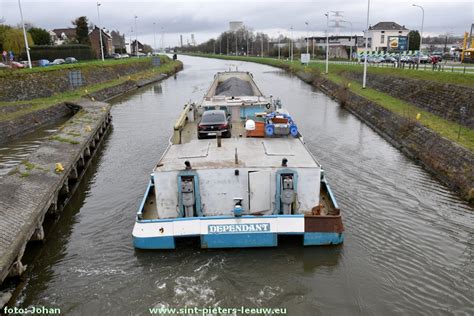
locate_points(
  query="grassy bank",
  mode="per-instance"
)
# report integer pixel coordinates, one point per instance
(5, 73)
(437, 76)
(25, 107)
(439, 125)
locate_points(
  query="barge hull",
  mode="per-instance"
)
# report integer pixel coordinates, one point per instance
(233, 232)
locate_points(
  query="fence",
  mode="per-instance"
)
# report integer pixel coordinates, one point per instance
(422, 67)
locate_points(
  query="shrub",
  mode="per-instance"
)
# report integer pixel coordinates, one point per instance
(80, 52)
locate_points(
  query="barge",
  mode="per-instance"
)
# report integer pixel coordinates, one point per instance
(236, 173)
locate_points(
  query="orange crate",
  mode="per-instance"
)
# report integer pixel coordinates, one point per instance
(279, 120)
(259, 130)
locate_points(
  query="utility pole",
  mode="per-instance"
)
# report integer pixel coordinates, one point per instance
(364, 78)
(291, 42)
(136, 37)
(24, 35)
(421, 34)
(154, 37)
(268, 47)
(163, 39)
(261, 42)
(307, 38)
(247, 39)
(100, 32)
(327, 42)
(278, 44)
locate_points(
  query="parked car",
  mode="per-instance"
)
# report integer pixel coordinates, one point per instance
(124, 56)
(16, 65)
(439, 55)
(407, 59)
(389, 59)
(58, 61)
(113, 56)
(434, 59)
(4, 66)
(212, 122)
(43, 62)
(70, 60)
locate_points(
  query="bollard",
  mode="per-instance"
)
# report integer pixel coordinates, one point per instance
(218, 137)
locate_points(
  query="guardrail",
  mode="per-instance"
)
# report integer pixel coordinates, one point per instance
(422, 67)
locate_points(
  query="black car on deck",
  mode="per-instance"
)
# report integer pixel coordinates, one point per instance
(212, 122)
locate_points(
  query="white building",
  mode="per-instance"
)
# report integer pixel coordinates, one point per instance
(235, 25)
(380, 33)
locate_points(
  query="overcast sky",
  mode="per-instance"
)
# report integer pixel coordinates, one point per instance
(207, 19)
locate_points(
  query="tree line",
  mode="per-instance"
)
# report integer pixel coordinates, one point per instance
(11, 37)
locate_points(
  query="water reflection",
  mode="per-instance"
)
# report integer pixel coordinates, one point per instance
(157, 89)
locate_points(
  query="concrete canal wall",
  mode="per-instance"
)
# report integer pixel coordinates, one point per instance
(444, 100)
(29, 122)
(20, 86)
(450, 163)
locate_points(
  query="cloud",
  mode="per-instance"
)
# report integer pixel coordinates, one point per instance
(209, 18)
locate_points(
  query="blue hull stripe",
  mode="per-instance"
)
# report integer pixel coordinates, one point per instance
(154, 242)
(316, 239)
(239, 240)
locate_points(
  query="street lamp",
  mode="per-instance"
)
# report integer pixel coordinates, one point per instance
(307, 38)
(136, 37)
(227, 38)
(291, 43)
(163, 50)
(24, 35)
(364, 78)
(154, 37)
(421, 34)
(100, 33)
(278, 44)
(327, 42)
(350, 40)
(247, 41)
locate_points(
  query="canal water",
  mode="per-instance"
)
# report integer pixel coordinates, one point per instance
(408, 244)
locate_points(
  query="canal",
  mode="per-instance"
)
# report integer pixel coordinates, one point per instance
(408, 246)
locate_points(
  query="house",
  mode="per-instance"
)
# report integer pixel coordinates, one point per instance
(118, 41)
(132, 47)
(339, 46)
(380, 34)
(61, 36)
(95, 42)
